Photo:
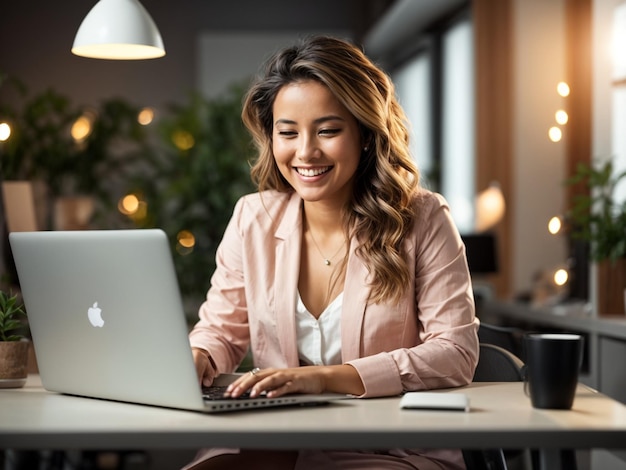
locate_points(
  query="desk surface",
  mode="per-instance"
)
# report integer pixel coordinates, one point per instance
(500, 416)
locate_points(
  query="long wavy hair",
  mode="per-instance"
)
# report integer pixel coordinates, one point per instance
(382, 207)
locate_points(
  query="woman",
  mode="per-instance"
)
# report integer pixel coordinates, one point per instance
(341, 274)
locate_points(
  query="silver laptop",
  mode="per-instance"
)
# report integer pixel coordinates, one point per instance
(107, 320)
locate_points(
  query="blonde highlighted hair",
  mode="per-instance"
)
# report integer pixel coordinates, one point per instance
(382, 209)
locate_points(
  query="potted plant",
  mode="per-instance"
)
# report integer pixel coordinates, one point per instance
(81, 154)
(599, 219)
(13, 345)
(202, 171)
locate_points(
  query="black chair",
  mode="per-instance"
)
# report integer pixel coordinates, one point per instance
(495, 364)
(507, 337)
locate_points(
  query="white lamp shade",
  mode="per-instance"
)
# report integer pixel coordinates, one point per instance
(118, 29)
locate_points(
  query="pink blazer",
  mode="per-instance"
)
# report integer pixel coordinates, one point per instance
(428, 340)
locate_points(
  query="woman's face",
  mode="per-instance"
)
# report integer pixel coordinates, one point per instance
(316, 142)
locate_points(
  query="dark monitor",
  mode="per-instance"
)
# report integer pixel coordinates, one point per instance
(482, 252)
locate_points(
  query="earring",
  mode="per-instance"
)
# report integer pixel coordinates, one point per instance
(365, 149)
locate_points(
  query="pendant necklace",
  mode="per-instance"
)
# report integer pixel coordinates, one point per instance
(327, 261)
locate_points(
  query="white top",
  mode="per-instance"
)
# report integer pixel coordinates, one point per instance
(319, 339)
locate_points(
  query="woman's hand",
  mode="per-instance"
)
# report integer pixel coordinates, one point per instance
(205, 367)
(307, 379)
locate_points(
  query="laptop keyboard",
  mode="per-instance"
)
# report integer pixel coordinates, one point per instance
(216, 392)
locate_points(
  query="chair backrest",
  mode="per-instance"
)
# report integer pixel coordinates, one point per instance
(496, 364)
(507, 337)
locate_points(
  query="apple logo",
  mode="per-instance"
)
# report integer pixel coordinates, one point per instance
(95, 315)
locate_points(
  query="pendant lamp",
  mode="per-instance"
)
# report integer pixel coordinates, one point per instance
(118, 30)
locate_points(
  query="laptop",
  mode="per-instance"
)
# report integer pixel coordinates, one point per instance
(107, 320)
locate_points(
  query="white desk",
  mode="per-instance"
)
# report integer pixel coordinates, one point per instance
(500, 416)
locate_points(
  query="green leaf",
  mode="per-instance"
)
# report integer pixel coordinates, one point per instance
(11, 317)
(595, 217)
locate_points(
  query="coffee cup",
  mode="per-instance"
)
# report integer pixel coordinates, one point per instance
(552, 366)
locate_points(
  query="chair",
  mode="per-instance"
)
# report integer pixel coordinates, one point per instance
(495, 364)
(507, 337)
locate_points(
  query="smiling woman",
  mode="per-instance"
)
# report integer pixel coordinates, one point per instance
(316, 143)
(340, 274)
(316, 146)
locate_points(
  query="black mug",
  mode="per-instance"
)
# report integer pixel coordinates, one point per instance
(552, 366)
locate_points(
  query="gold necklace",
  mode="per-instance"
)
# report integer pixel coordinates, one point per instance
(327, 261)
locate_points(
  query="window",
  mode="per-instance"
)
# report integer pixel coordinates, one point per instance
(412, 81)
(435, 86)
(457, 130)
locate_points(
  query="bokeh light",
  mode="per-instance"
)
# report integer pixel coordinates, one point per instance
(129, 204)
(145, 116)
(5, 131)
(560, 277)
(555, 225)
(186, 242)
(183, 140)
(555, 134)
(561, 117)
(562, 89)
(81, 128)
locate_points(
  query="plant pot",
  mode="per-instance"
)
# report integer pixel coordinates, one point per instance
(13, 363)
(73, 212)
(24, 205)
(611, 285)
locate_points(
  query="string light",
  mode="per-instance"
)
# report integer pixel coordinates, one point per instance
(561, 117)
(186, 242)
(183, 140)
(81, 128)
(562, 89)
(555, 225)
(561, 277)
(129, 204)
(555, 134)
(5, 131)
(145, 116)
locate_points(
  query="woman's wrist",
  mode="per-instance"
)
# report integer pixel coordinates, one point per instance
(343, 379)
(207, 354)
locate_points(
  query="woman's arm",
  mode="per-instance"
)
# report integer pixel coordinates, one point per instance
(307, 379)
(220, 338)
(436, 344)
